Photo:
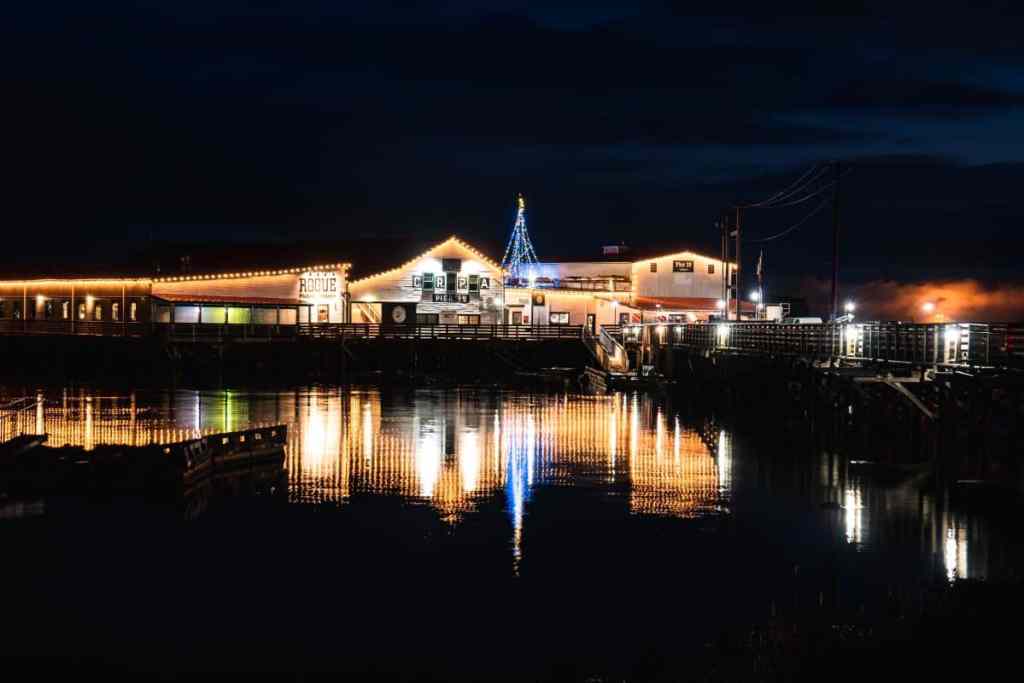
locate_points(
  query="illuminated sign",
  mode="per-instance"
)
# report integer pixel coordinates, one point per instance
(319, 284)
(451, 298)
(682, 266)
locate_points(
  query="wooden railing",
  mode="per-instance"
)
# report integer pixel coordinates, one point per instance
(951, 344)
(344, 331)
(93, 328)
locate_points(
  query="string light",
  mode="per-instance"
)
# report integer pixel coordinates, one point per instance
(519, 253)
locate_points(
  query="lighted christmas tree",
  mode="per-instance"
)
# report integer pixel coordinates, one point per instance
(519, 253)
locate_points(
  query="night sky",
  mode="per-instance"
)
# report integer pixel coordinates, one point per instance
(137, 123)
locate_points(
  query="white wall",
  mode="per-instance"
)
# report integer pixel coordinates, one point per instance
(284, 286)
(667, 283)
(577, 305)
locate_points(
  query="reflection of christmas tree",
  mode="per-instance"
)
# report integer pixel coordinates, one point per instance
(519, 252)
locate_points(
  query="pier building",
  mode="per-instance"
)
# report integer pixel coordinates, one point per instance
(451, 283)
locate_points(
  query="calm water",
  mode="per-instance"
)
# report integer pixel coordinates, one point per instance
(471, 531)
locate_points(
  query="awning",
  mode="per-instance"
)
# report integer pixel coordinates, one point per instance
(181, 298)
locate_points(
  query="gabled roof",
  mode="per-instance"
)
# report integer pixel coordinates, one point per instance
(411, 262)
(254, 273)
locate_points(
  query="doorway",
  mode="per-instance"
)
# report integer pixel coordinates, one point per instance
(517, 317)
(592, 323)
(323, 313)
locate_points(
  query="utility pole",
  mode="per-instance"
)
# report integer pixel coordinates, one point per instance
(739, 269)
(835, 243)
(723, 223)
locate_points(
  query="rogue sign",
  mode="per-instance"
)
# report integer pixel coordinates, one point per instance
(319, 285)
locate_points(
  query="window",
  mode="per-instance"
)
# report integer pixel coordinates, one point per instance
(428, 282)
(133, 310)
(115, 311)
(48, 309)
(654, 267)
(81, 310)
(485, 283)
(427, 318)
(451, 265)
(623, 318)
(469, 319)
(16, 313)
(97, 311)
(682, 266)
(474, 283)
(417, 281)
(558, 318)
(711, 269)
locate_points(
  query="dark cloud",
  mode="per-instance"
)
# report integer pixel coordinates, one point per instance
(631, 121)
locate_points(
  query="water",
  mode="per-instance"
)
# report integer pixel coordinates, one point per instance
(472, 531)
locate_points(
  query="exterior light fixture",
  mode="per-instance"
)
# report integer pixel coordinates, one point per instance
(849, 307)
(720, 304)
(928, 306)
(755, 296)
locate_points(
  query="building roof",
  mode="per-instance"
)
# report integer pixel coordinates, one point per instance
(632, 255)
(186, 298)
(397, 266)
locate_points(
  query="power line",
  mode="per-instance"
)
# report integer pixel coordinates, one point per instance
(808, 178)
(816, 192)
(795, 225)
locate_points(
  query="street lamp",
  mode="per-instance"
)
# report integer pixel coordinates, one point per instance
(849, 307)
(755, 295)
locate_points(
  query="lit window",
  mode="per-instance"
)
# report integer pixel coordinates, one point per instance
(115, 311)
(81, 310)
(97, 312)
(469, 319)
(711, 269)
(654, 267)
(132, 312)
(558, 318)
(65, 310)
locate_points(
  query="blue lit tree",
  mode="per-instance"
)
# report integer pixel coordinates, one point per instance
(519, 253)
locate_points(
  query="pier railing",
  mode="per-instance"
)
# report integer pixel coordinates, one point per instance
(952, 344)
(345, 331)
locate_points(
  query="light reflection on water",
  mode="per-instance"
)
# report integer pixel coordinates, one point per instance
(453, 450)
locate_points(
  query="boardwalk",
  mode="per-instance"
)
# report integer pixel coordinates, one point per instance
(974, 345)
